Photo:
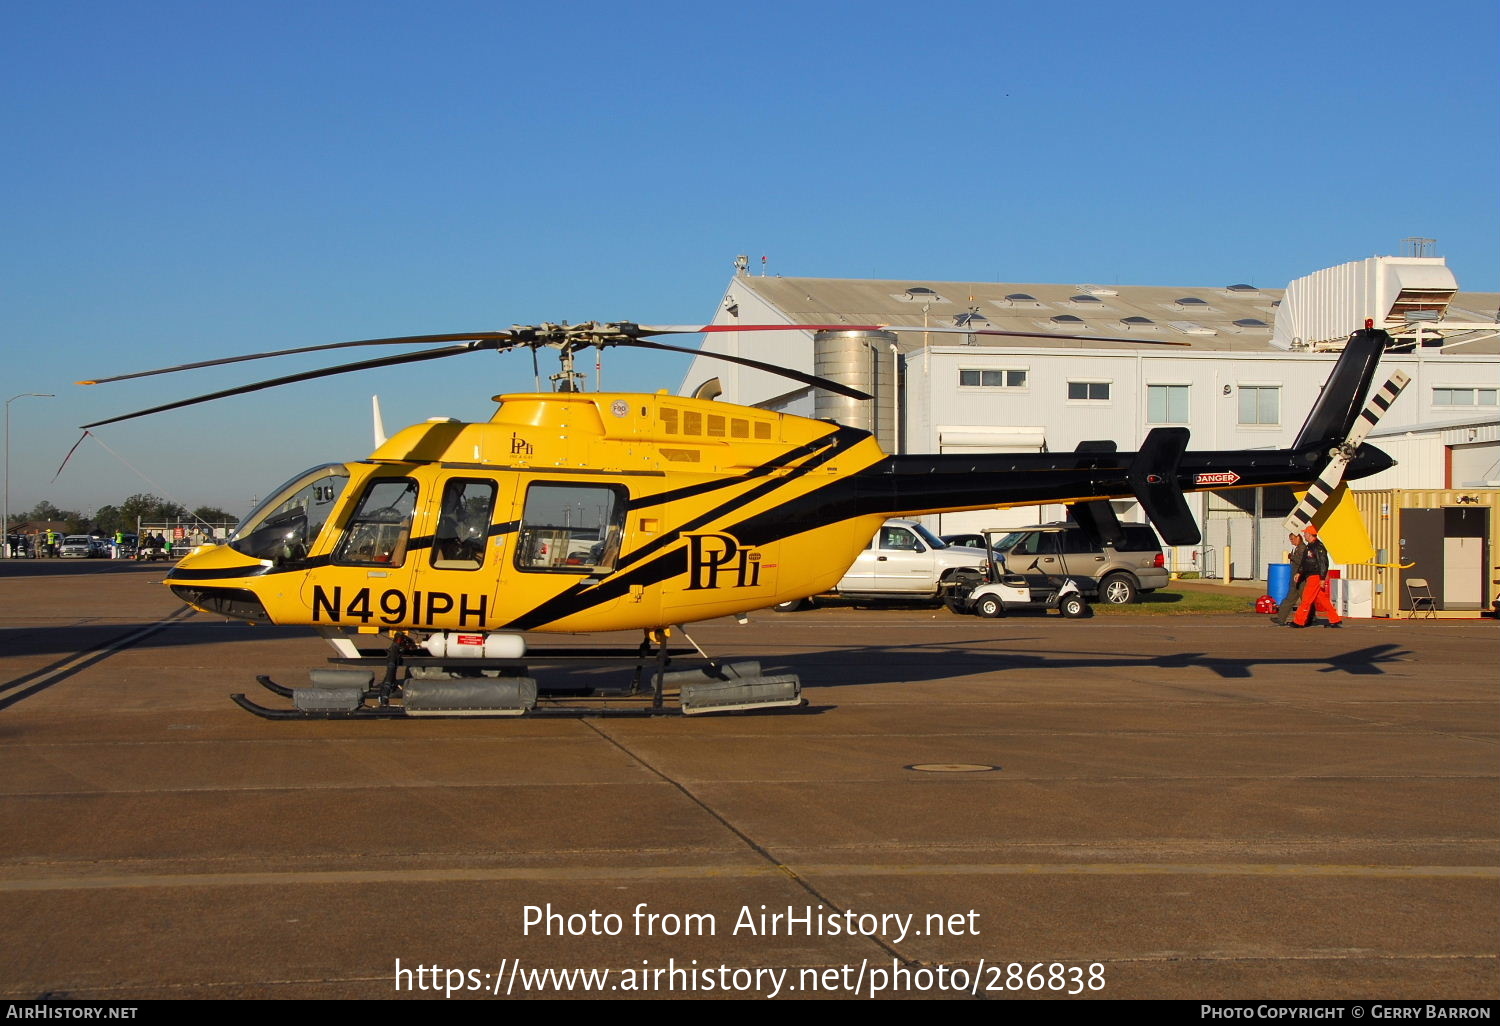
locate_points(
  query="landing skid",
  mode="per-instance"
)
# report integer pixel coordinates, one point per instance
(420, 686)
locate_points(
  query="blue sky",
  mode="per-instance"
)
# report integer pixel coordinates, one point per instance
(190, 180)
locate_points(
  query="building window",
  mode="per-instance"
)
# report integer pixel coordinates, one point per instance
(992, 378)
(1465, 396)
(1166, 404)
(1260, 404)
(1095, 391)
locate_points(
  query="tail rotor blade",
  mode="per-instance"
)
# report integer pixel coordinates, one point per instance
(1319, 492)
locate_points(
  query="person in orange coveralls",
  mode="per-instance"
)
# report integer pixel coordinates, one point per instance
(1314, 574)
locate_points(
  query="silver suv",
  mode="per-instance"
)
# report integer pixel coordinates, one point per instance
(1136, 567)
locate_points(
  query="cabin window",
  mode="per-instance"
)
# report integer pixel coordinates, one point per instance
(571, 528)
(380, 530)
(463, 525)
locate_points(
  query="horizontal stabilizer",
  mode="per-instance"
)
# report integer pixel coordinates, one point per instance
(1153, 478)
(1097, 519)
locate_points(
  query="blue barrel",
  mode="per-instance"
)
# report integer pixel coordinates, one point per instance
(1279, 580)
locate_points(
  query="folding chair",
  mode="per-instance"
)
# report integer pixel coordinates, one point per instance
(1421, 598)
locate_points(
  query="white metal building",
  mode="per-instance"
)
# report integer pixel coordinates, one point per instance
(1254, 363)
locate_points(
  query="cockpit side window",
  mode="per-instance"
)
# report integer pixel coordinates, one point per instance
(380, 529)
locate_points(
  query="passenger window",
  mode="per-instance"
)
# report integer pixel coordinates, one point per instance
(898, 538)
(1076, 543)
(380, 529)
(463, 525)
(570, 528)
(1027, 546)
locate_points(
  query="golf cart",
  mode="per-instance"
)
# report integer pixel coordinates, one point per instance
(994, 591)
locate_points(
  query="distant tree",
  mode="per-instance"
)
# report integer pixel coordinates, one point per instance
(149, 508)
(108, 520)
(213, 515)
(44, 510)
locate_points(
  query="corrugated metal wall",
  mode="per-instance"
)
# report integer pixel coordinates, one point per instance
(1381, 511)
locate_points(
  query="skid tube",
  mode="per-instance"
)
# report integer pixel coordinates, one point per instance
(353, 693)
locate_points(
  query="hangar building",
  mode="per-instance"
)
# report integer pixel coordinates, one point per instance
(1254, 363)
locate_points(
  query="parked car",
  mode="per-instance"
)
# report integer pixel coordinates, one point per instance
(1137, 567)
(968, 541)
(81, 546)
(904, 560)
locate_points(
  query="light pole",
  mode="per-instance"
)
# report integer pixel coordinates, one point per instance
(5, 511)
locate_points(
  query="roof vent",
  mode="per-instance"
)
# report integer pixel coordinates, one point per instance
(1192, 328)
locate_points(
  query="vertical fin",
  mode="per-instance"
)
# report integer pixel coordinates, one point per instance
(1333, 415)
(1153, 478)
(1318, 494)
(379, 423)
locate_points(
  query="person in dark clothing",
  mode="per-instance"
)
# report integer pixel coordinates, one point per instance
(1293, 593)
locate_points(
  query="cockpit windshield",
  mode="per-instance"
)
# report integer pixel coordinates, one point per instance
(284, 527)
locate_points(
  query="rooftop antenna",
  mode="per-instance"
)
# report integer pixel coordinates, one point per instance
(1417, 246)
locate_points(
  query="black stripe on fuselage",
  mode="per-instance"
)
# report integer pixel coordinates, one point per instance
(655, 562)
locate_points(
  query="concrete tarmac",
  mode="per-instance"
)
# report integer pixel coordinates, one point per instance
(1128, 806)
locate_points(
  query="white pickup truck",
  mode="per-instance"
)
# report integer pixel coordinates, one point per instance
(904, 560)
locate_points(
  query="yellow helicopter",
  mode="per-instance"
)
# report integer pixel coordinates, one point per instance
(573, 511)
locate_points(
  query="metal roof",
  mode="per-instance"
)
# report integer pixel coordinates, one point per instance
(1205, 321)
(1204, 317)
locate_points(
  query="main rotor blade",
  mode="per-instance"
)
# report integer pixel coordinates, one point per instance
(944, 330)
(769, 368)
(387, 361)
(468, 336)
(647, 330)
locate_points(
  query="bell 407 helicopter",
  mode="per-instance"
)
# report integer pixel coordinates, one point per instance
(572, 511)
